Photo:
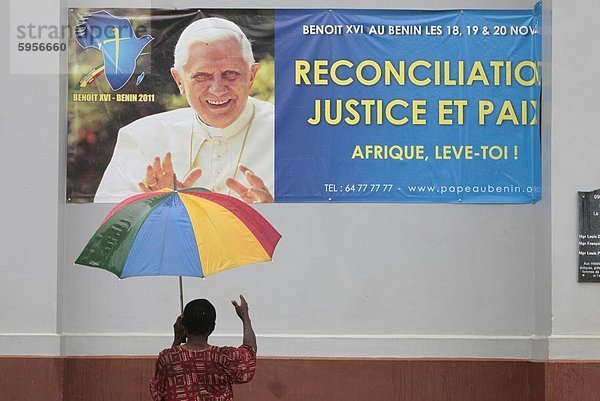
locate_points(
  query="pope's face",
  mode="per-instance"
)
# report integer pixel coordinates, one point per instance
(216, 81)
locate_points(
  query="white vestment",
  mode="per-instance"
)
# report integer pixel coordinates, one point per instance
(249, 141)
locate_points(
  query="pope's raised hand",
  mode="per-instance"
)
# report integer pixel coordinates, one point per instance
(159, 175)
(256, 192)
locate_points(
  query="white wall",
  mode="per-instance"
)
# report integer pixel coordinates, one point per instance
(351, 280)
(542, 216)
(575, 167)
(348, 279)
(398, 273)
(30, 166)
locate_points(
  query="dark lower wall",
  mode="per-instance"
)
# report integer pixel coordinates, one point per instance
(31, 378)
(107, 378)
(573, 380)
(414, 380)
(314, 379)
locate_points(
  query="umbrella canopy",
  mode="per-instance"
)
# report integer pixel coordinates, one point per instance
(191, 232)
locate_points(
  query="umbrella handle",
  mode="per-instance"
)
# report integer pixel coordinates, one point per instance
(181, 295)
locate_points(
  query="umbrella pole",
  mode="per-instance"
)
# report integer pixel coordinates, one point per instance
(181, 295)
(180, 280)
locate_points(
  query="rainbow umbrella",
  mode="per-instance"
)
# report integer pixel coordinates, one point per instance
(191, 232)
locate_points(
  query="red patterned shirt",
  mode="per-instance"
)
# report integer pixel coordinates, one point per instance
(207, 375)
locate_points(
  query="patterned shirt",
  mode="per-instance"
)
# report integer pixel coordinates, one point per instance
(207, 375)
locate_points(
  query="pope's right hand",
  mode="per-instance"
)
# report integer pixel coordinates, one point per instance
(159, 175)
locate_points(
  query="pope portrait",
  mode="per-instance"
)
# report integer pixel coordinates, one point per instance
(223, 142)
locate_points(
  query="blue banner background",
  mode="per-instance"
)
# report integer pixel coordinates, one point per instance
(313, 163)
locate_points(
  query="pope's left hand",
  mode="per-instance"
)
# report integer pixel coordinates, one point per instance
(257, 192)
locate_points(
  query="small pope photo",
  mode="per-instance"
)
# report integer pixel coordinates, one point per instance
(222, 141)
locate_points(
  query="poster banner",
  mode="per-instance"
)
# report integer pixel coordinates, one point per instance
(306, 105)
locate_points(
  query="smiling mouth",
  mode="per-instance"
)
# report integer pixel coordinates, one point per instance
(218, 103)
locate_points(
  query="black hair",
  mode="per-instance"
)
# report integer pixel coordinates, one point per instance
(199, 317)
